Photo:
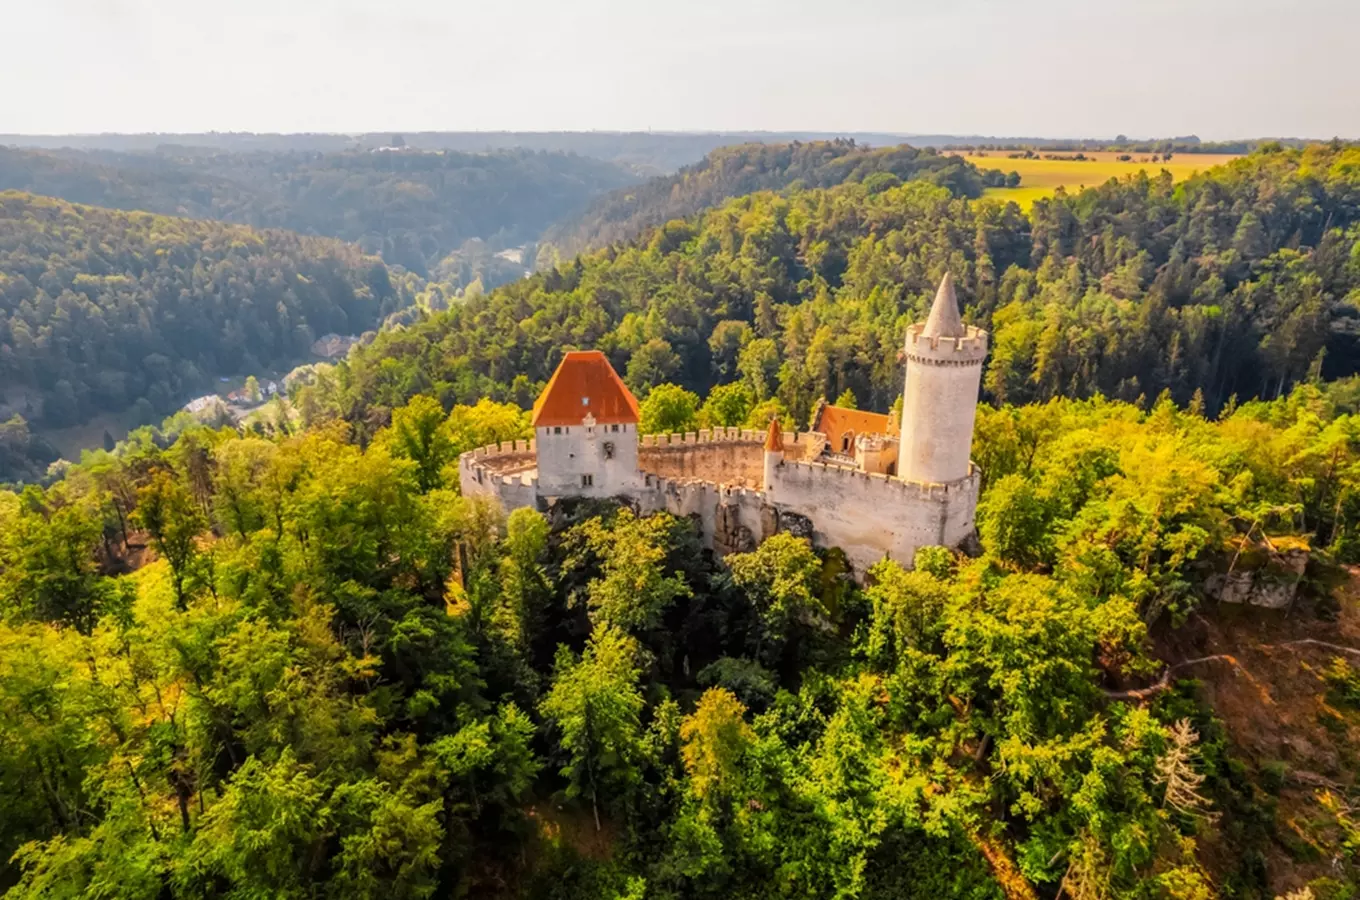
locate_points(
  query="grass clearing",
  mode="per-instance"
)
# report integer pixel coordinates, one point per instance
(1041, 177)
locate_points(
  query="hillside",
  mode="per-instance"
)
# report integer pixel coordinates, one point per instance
(412, 208)
(293, 660)
(102, 309)
(1238, 283)
(746, 168)
(294, 664)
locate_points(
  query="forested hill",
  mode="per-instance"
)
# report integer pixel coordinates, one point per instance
(101, 309)
(1242, 281)
(412, 208)
(651, 152)
(743, 169)
(332, 676)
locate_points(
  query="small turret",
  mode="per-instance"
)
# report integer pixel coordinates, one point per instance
(944, 371)
(774, 451)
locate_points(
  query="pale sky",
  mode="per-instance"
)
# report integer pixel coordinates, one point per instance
(1060, 68)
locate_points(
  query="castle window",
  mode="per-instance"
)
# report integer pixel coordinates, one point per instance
(614, 428)
(608, 449)
(587, 481)
(847, 442)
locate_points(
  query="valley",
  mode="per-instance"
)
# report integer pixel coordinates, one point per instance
(799, 523)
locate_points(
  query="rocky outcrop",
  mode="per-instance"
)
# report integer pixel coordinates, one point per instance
(1267, 575)
(729, 534)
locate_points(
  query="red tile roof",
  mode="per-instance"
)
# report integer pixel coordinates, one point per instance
(774, 437)
(585, 384)
(836, 423)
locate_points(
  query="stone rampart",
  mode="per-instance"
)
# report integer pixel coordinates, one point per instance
(504, 470)
(722, 456)
(871, 515)
(715, 478)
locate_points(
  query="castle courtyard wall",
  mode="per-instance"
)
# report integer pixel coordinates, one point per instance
(738, 461)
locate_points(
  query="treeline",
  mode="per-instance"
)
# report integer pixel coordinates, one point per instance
(733, 171)
(101, 310)
(1240, 282)
(645, 152)
(331, 675)
(412, 208)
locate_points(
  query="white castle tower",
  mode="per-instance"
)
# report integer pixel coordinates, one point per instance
(944, 372)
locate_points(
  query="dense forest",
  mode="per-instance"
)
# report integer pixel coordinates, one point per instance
(101, 309)
(289, 659)
(1238, 283)
(744, 169)
(329, 675)
(411, 208)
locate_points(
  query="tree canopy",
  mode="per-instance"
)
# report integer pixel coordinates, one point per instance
(291, 665)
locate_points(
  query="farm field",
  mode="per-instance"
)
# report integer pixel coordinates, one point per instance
(1040, 177)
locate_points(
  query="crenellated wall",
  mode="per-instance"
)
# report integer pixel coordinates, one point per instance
(716, 479)
(722, 456)
(870, 515)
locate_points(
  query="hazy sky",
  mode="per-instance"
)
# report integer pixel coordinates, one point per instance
(1216, 68)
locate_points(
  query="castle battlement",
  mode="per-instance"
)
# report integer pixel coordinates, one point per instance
(945, 350)
(847, 477)
(714, 436)
(975, 339)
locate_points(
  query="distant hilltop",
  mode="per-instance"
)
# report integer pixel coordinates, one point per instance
(650, 152)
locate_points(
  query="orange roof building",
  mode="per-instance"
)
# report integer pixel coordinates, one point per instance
(842, 426)
(585, 384)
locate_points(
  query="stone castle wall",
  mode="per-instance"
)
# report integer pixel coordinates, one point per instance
(722, 456)
(869, 515)
(715, 479)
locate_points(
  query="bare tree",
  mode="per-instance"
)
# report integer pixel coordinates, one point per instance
(1176, 770)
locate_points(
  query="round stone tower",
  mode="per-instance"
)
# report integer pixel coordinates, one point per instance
(944, 372)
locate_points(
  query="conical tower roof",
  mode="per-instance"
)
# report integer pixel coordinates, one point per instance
(944, 320)
(774, 437)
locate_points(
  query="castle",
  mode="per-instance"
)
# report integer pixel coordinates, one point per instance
(860, 481)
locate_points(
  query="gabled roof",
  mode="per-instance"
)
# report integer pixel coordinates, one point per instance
(944, 320)
(836, 422)
(585, 384)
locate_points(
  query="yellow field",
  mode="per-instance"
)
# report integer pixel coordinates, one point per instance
(1040, 177)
